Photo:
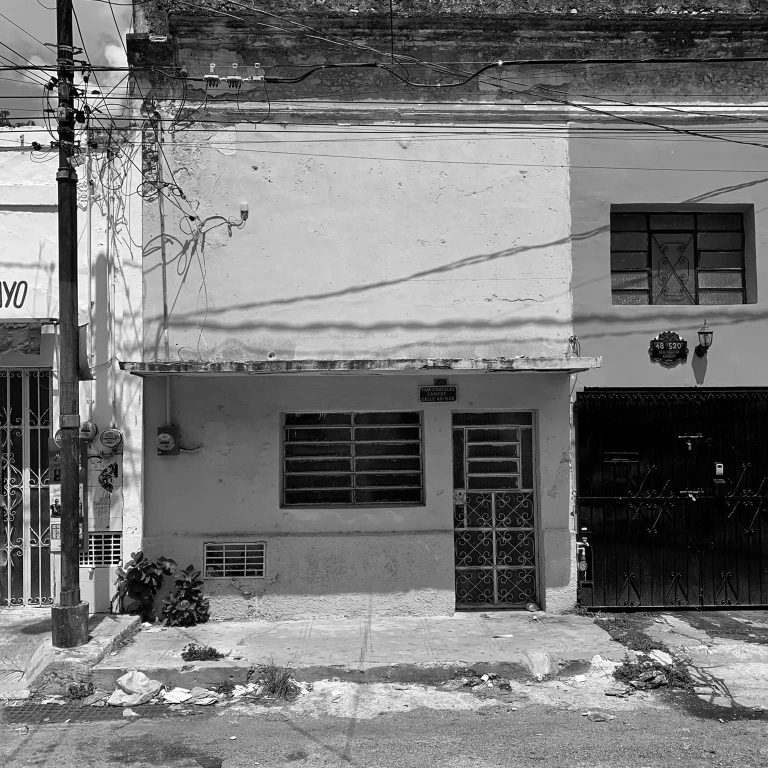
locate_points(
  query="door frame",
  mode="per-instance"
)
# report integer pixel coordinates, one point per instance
(536, 496)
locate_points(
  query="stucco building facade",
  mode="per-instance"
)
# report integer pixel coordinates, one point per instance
(109, 286)
(360, 266)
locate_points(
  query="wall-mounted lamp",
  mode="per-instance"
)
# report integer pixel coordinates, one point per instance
(705, 340)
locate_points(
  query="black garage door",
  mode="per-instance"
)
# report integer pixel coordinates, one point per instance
(672, 489)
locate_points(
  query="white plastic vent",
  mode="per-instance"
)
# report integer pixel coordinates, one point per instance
(103, 549)
(242, 558)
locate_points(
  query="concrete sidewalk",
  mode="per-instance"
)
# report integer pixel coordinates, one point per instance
(28, 661)
(397, 649)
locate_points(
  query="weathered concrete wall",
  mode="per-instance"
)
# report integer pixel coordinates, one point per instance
(153, 16)
(329, 561)
(29, 227)
(363, 243)
(680, 170)
(429, 38)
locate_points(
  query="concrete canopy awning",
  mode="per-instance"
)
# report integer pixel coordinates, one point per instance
(408, 365)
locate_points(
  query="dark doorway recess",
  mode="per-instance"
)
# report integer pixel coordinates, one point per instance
(672, 496)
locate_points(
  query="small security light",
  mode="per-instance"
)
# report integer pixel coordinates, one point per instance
(706, 335)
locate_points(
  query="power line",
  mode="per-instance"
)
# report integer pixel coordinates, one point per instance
(27, 33)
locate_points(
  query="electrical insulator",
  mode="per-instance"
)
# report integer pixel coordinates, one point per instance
(234, 80)
(211, 79)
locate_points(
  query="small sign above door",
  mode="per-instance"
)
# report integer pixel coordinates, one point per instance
(668, 349)
(439, 392)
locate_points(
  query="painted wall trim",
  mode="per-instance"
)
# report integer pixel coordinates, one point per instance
(559, 364)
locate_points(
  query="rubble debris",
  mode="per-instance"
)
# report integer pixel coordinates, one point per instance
(662, 657)
(649, 680)
(598, 717)
(620, 692)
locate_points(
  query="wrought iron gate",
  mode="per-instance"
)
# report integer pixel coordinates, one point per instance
(25, 514)
(494, 510)
(672, 497)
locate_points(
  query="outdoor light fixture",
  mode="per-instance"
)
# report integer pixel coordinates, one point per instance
(705, 340)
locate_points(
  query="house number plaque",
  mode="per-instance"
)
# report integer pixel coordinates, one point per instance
(668, 349)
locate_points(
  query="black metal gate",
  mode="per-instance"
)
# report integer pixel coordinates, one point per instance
(672, 495)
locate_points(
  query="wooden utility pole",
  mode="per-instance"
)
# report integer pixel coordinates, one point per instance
(70, 617)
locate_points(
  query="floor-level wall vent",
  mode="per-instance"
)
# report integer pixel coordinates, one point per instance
(235, 559)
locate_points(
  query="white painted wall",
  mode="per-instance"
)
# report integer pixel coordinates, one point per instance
(376, 242)
(337, 561)
(29, 228)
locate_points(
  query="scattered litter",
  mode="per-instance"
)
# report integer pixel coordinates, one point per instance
(531, 607)
(176, 695)
(598, 717)
(495, 636)
(232, 738)
(134, 688)
(128, 712)
(54, 700)
(23, 730)
(202, 697)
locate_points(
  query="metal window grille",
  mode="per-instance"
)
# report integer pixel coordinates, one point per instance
(245, 558)
(103, 549)
(352, 458)
(680, 257)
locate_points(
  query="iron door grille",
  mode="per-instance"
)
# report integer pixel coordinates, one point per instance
(352, 458)
(494, 510)
(25, 517)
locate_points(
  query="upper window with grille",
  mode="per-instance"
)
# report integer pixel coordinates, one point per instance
(352, 458)
(680, 257)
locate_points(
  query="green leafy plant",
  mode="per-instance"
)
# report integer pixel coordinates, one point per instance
(186, 606)
(195, 652)
(138, 583)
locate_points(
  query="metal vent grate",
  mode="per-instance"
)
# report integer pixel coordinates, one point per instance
(103, 549)
(245, 558)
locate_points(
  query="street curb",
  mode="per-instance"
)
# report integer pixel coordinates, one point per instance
(53, 670)
(211, 673)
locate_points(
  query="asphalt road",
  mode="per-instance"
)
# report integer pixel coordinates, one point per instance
(648, 737)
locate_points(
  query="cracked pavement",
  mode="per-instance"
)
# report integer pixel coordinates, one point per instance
(725, 652)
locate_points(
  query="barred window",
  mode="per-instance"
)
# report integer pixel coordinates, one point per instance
(231, 559)
(352, 458)
(680, 257)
